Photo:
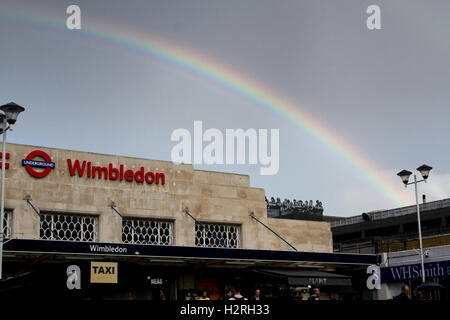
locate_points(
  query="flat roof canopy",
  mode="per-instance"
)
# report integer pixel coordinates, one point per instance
(117, 250)
(306, 277)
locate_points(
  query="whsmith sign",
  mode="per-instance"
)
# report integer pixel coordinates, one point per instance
(414, 271)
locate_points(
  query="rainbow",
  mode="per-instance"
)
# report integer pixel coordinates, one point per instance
(219, 74)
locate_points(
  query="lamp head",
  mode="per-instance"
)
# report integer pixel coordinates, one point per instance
(404, 175)
(2, 123)
(12, 111)
(424, 171)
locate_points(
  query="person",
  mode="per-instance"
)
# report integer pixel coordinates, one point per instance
(428, 296)
(193, 296)
(161, 295)
(228, 294)
(315, 295)
(257, 295)
(130, 296)
(419, 295)
(403, 296)
(237, 295)
(204, 296)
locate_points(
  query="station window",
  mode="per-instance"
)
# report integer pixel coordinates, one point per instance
(7, 222)
(69, 227)
(219, 235)
(157, 232)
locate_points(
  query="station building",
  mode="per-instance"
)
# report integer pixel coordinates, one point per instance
(100, 226)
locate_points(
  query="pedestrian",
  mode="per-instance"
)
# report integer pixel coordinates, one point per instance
(428, 296)
(419, 295)
(193, 296)
(315, 295)
(204, 296)
(228, 294)
(403, 296)
(237, 295)
(257, 295)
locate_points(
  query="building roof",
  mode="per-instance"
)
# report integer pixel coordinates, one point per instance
(391, 213)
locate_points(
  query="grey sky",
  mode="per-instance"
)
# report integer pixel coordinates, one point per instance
(385, 92)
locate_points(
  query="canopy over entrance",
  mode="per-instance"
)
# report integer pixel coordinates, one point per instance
(183, 253)
(308, 277)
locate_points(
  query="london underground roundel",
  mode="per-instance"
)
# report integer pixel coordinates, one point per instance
(30, 164)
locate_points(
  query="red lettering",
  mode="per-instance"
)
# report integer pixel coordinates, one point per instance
(76, 167)
(111, 171)
(139, 175)
(149, 174)
(89, 170)
(129, 175)
(7, 155)
(162, 176)
(100, 170)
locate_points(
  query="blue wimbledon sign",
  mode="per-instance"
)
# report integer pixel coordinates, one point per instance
(414, 271)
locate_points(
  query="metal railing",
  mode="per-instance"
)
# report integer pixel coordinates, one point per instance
(392, 245)
(384, 214)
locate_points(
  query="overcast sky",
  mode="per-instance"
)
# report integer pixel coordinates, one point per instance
(385, 92)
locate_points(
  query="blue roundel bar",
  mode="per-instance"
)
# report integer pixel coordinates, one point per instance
(38, 164)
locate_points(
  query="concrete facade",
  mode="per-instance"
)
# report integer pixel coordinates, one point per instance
(210, 196)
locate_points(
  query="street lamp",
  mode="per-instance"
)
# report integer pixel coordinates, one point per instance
(424, 171)
(404, 175)
(12, 111)
(2, 123)
(7, 120)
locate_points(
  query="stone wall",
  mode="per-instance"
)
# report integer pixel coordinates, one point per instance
(210, 197)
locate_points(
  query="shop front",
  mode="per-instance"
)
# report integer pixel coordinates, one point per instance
(297, 284)
(404, 267)
(71, 269)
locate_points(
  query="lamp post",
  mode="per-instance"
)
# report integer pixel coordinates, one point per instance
(7, 120)
(404, 175)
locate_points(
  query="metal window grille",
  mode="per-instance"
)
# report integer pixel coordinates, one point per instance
(230, 234)
(7, 221)
(68, 227)
(156, 232)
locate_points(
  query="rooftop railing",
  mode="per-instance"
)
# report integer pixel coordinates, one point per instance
(384, 214)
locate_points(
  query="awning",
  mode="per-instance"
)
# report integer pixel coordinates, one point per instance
(151, 251)
(308, 277)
